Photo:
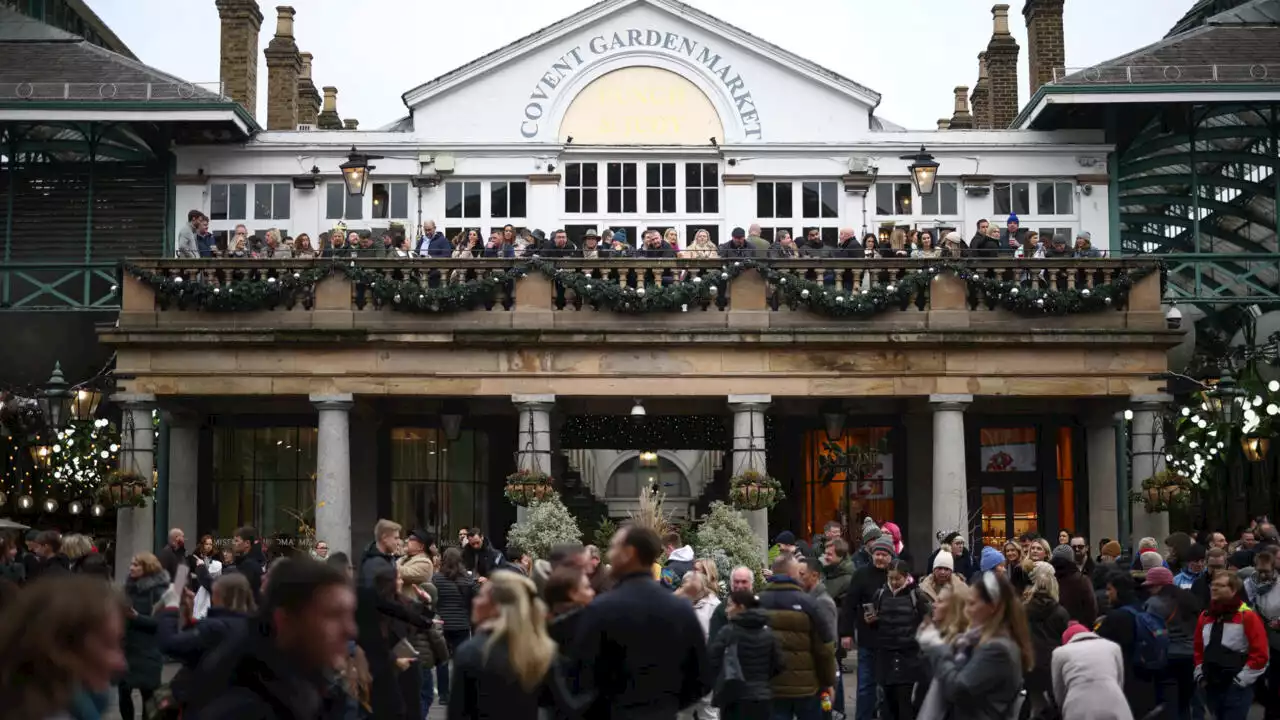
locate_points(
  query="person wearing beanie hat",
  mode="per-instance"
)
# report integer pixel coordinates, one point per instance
(1086, 677)
(992, 560)
(944, 560)
(1112, 550)
(964, 562)
(882, 544)
(1192, 566)
(786, 541)
(1075, 590)
(941, 575)
(1158, 577)
(866, 583)
(862, 558)
(1064, 552)
(1181, 612)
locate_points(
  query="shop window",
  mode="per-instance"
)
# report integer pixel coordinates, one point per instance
(1053, 198)
(1011, 198)
(462, 199)
(660, 188)
(1064, 451)
(1007, 450)
(621, 190)
(893, 198)
(265, 478)
(271, 201)
(227, 201)
(819, 199)
(508, 199)
(437, 484)
(702, 187)
(390, 201)
(340, 205)
(843, 499)
(945, 201)
(581, 188)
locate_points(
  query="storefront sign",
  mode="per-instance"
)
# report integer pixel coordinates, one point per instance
(602, 46)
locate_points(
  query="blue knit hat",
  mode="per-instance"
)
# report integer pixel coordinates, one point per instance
(991, 557)
(1013, 217)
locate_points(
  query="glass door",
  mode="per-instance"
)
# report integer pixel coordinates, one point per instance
(1007, 484)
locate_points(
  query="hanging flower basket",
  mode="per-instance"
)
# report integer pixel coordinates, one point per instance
(754, 490)
(1163, 491)
(525, 487)
(125, 489)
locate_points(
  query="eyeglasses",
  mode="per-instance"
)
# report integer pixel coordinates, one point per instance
(1078, 547)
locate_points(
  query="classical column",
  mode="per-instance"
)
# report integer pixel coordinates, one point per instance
(184, 457)
(1147, 442)
(749, 453)
(1104, 516)
(135, 526)
(950, 488)
(534, 440)
(333, 471)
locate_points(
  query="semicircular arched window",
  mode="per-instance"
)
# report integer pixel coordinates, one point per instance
(636, 473)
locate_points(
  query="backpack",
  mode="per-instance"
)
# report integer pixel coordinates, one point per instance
(1150, 640)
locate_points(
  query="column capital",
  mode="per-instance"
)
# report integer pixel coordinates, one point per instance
(534, 400)
(343, 402)
(135, 401)
(180, 417)
(950, 402)
(745, 403)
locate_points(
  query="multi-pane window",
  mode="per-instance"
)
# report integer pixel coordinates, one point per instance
(774, 202)
(1049, 234)
(462, 199)
(227, 201)
(660, 187)
(702, 187)
(1011, 198)
(438, 484)
(339, 205)
(390, 201)
(581, 188)
(508, 199)
(262, 477)
(1053, 198)
(945, 201)
(620, 179)
(893, 198)
(271, 201)
(820, 209)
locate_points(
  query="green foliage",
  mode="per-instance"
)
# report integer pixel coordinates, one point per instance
(696, 291)
(725, 532)
(247, 290)
(547, 524)
(83, 457)
(603, 533)
(754, 490)
(412, 295)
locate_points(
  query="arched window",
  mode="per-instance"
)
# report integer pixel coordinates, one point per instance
(638, 473)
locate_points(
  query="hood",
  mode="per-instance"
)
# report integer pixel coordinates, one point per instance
(840, 569)
(819, 590)
(149, 582)
(753, 619)
(684, 554)
(1063, 568)
(262, 670)
(1040, 606)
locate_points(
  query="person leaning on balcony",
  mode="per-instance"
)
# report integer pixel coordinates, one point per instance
(238, 245)
(558, 247)
(672, 238)
(499, 245)
(1057, 248)
(953, 246)
(432, 242)
(187, 247)
(755, 236)
(206, 242)
(785, 248)
(814, 247)
(1084, 246)
(274, 248)
(702, 247)
(847, 245)
(738, 247)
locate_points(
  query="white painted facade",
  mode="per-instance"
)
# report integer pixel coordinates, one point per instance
(502, 119)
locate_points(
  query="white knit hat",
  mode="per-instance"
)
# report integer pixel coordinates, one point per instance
(943, 560)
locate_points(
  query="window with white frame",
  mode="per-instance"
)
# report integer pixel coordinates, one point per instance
(774, 208)
(701, 187)
(893, 199)
(820, 208)
(1011, 198)
(390, 201)
(340, 205)
(468, 203)
(508, 199)
(462, 199)
(1047, 206)
(271, 201)
(1054, 198)
(228, 201)
(660, 188)
(621, 188)
(944, 202)
(581, 188)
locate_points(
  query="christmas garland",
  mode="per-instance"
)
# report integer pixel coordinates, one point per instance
(83, 457)
(256, 291)
(697, 288)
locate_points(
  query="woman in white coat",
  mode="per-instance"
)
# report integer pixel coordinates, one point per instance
(1087, 674)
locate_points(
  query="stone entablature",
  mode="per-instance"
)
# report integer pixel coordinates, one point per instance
(941, 345)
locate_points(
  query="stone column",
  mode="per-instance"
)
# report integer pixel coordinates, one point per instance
(533, 450)
(1147, 441)
(333, 471)
(1104, 517)
(184, 457)
(135, 527)
(749, 453)
(950, 487)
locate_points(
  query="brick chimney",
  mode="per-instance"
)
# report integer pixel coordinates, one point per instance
(328, 118)
(1046, 51)
(944, 123)
(351, 124)
(962, 120)
(1002, 70)
(240, 22)
(284, 67)
(981, 97)
(308, 95)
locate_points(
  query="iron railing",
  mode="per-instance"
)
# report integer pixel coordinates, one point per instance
(124, 91)
(1167, 74)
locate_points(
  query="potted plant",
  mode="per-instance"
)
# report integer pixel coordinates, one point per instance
(125, 489)
(1163, 491)
(754, 490)
(525, 487)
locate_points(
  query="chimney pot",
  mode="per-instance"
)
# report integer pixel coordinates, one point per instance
(306, 65)
(982, 66)
(1000, 16)
(284, 21)
(944, 123)
(330, 99)
(961, 120)
(328, 118)
(351, 124)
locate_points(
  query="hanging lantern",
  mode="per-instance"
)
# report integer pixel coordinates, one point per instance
(924, 172)
(49, 505)
(26, 502)
(1222, 398)
(355, 172)
(75, 507)
(1255, 448)
(85, 401)
(55, 399)
(97, 510)
(41, 454)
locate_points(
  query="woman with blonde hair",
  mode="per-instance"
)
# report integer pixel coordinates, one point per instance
(1047, 620)
(948, 611)
(707, 567)
(76, 547)
(499, 672)
(672, 237)
(62, 651)
(979, 674)
(702, 247)
(147, 583)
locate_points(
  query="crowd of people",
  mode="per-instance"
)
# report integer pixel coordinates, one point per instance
(1176, 629)
(989, 241)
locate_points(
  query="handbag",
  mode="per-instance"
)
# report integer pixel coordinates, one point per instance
(730, 683)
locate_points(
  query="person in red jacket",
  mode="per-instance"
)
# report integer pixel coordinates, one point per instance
(1231, 650)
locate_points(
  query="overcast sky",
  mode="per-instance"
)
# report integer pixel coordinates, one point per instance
(913, 52)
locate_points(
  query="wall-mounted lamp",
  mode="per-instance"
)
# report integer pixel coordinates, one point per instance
(307, 182)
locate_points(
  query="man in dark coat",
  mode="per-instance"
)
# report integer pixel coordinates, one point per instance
(738, 247)
(250, 560)
(479, 556)
(558, 247)
(640, 649)
(48, 558)
(174, 553)
(866, 583)
(1075, 591)
(380, 554)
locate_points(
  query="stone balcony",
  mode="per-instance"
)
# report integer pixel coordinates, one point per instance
(934, 332)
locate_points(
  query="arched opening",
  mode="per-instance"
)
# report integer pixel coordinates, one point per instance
(642, 471)
(641, 105)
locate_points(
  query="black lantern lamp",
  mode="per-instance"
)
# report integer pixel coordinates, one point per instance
(85, 400)
(355, 172)
(1222, 398)
(924, 172)
(55, 399)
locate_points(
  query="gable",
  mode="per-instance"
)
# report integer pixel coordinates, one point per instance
(760, 92)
